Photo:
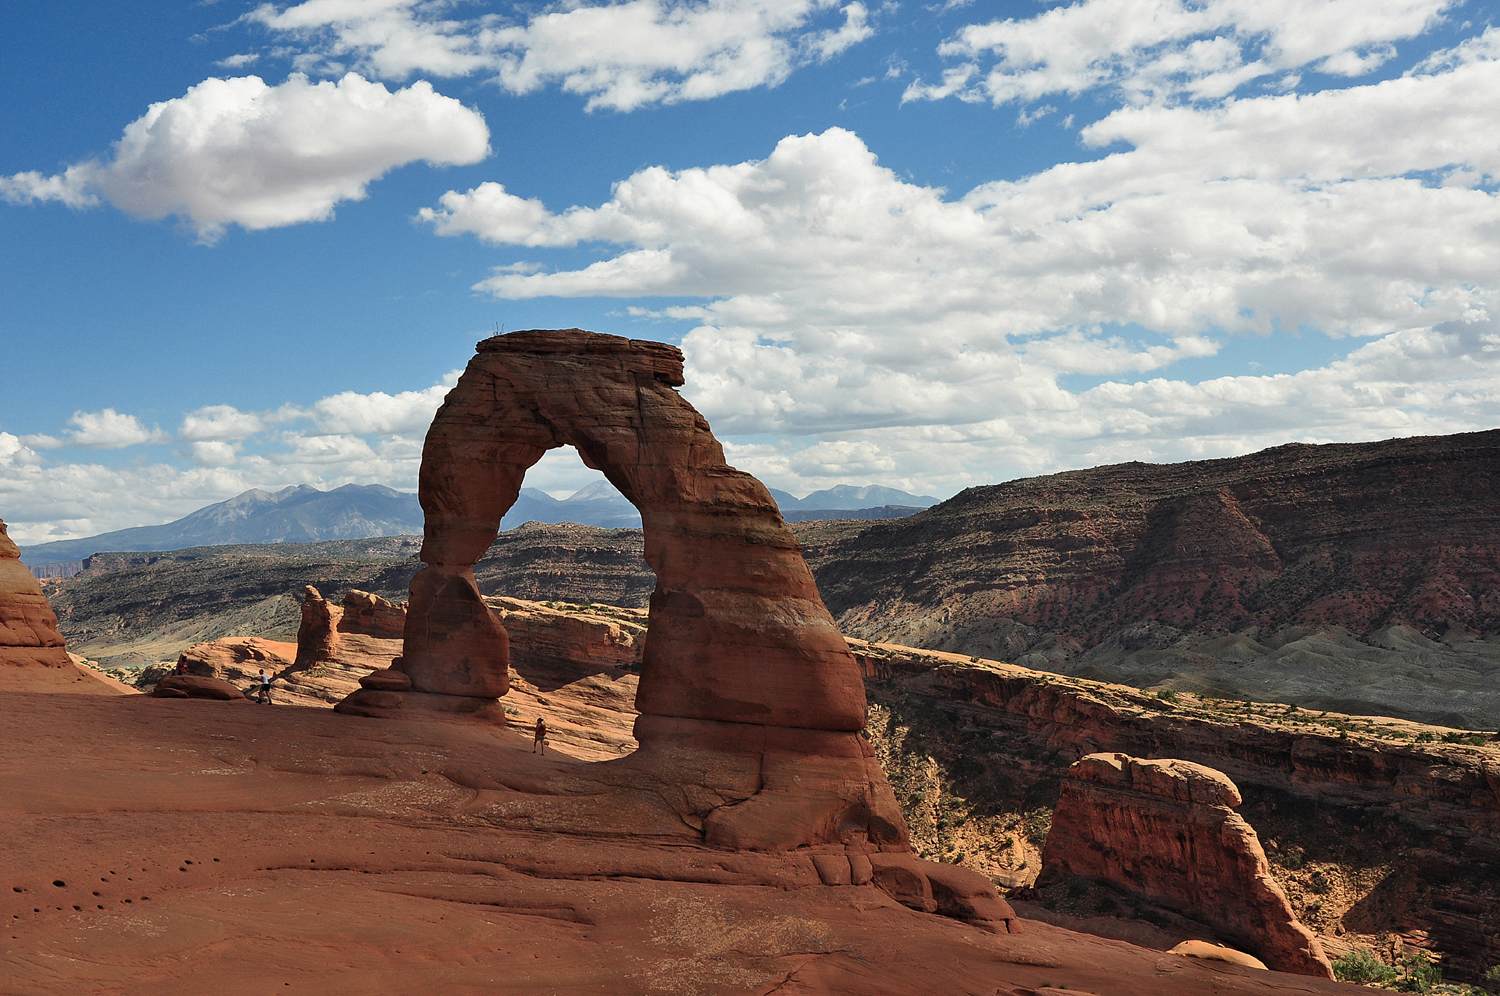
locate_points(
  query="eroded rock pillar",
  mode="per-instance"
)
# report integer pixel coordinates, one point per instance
(28, 626)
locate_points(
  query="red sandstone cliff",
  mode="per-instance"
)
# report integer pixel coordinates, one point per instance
(1300, 560)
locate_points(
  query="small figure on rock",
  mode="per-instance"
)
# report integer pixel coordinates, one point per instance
(264, 693)
(181, 666)
(541, 736)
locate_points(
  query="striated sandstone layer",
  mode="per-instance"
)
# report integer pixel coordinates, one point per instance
(28, 626)
(1385, 834)
(1166, 830)
(1353, 577)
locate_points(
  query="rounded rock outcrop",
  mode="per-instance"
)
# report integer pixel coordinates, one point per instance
(1166, 830)
(28, 626)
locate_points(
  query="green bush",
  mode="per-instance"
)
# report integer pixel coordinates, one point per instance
(1361, 967)
(1418, 974)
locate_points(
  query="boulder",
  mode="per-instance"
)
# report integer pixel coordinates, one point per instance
(192, 686)
(1216, 952)
(1166, 831)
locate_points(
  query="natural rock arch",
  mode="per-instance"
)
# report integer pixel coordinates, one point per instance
(751, 705)
(738, 633)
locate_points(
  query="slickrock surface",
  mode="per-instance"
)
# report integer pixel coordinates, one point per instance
(172, 848)
(577, 667)
(1166, 830)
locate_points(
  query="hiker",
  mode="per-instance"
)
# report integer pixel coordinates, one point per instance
(181, 666)
(541, 736)
(265, 688)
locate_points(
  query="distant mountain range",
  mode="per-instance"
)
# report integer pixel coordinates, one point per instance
(303, 514)
(300, 514)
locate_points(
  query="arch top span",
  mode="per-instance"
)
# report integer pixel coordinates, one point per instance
(738, 632)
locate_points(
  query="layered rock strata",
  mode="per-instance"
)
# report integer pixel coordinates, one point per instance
(1166, 830)
(28, 626)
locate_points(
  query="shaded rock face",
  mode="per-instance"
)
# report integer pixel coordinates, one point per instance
(28, 626)
(751, 704)
(1166, 830)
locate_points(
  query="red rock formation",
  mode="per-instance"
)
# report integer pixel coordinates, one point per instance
(751, 703)
(543, 639)
(363, 632)
(1166, 830)
(738, 631)
(317, 636)
(28, 627)
(1357, 535)
(192, 686)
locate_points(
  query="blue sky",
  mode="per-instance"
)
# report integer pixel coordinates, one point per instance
(922, 245)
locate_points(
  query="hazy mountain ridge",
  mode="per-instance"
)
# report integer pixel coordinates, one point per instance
(303, 514)
(298, 514)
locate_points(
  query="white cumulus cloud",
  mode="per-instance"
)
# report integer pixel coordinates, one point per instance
(845, 304)
(1151, 50)
(239, 151)
(619, 55)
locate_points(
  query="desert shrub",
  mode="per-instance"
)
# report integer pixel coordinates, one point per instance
(1425, 738)
(1104, 906)
(1471, 739)
(1319, 884)
(1491, 978)
(1418, 974)
(1361, 967)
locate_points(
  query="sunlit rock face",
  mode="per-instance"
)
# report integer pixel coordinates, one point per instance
(738, 632)
(28, 626)
(751, 703)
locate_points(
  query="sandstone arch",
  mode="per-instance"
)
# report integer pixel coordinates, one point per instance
(751, 705)
(738, 632)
